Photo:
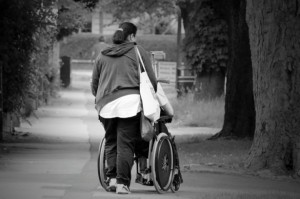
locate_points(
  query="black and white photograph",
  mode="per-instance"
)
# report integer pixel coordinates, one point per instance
(143, 99)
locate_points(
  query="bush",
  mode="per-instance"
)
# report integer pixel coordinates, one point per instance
(80, 46)
(19, 20)
(23, 24)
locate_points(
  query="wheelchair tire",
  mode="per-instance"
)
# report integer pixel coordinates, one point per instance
(162, 164)
(101, 165)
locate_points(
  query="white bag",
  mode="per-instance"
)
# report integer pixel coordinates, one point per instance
(150, 103)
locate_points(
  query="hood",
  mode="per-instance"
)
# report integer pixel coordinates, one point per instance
(118, 49)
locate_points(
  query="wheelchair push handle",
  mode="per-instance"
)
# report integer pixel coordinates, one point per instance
(163, 81)
(165, 119)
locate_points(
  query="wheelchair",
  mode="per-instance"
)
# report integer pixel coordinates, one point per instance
(162, 169)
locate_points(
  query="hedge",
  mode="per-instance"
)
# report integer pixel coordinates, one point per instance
(80, 46)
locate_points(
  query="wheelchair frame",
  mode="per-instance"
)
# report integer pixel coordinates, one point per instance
(158, 163)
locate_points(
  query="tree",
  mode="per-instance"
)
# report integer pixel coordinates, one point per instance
(205, 46)
(274, 29)
(150, 13)
(239, 118)
(71, 16)
(28, 31)
(20, 21)
(88, 4)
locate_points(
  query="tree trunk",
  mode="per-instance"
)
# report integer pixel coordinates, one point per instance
(209, 85)
(239, 119)
(1, 105)
(274, 28)
(101, 21)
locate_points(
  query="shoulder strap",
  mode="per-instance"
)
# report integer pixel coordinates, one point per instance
(139, 58)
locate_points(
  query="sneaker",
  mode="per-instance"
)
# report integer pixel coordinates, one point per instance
(112, 185)
(122, 189)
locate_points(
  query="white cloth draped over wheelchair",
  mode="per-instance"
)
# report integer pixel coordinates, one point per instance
(163, 101)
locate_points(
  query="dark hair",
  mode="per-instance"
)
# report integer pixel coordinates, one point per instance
(125, 29)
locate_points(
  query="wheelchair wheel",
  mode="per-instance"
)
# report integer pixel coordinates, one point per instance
(162, 163)
(101, 165)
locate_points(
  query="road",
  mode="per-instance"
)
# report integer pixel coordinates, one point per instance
(56, 158)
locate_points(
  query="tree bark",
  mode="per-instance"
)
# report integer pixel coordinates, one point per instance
(239, 118)
(1, 105)
(274, 27)
(101, 21)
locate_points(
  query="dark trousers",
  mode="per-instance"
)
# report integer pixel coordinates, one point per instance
(123, 139)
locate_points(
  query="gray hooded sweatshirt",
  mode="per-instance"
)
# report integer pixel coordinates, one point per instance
(116, 73)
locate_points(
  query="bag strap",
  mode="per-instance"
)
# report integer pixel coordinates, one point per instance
(139, 59)
(139, 68)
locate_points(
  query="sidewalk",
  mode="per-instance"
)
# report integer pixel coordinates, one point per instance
(40, 160)
(56, 158)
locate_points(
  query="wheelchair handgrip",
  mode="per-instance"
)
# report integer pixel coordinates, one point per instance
(163, 81)
(165, 119)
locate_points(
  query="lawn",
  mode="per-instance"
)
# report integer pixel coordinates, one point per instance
(224, 154)
(250, 195)
(197, 150)
(201, 113)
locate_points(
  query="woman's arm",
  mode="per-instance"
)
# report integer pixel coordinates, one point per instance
(95, 77)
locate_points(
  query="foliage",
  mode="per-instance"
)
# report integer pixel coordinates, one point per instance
(149, 14)
(46, 76)
(71, 17)
(206, 39)
(21, 21)
(89, 4)
(28, 32)
(80, 46)
(164, 25)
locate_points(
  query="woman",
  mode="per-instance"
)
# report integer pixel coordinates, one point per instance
(115, 83)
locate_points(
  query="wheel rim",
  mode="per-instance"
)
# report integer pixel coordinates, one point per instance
(162, 163)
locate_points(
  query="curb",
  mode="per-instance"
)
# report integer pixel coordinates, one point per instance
(214, 169)
(211, 169)
(192, 134)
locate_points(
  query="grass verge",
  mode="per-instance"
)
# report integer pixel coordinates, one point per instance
(225, 154)
(224, 195)
(198, 114)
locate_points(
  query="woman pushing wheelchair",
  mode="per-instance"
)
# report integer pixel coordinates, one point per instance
(115, 85)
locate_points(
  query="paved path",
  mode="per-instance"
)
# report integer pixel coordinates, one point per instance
(57, 159)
